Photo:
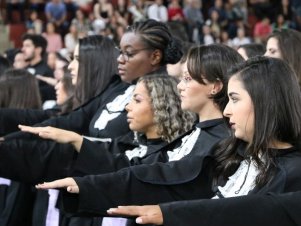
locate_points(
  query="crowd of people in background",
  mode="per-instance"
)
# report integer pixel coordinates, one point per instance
(232, 22)
(160, 101)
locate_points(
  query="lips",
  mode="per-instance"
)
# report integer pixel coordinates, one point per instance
(121, 72)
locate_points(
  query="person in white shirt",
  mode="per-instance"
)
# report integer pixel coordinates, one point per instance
(158, 11)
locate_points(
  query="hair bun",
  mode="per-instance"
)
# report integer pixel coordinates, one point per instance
(173, 53)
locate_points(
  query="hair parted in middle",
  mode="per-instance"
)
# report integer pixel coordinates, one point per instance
(273, 88)
(97, 66)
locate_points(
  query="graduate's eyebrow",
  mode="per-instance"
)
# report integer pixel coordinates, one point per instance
(232, 94)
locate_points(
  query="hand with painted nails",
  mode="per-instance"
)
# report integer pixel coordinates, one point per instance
(68, 183)
(149, 214)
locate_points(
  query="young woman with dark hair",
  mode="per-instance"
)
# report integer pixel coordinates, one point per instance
(251, 50)
(285, 44)
(18, 89)
(145, 48)
(262, 156)
(179, 167)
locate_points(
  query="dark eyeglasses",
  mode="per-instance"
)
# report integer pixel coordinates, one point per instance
(127, 55)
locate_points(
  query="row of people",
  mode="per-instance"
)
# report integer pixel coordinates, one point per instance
(203, 90)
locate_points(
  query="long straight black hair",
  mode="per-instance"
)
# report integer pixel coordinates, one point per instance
(275, 94)
(97, 66)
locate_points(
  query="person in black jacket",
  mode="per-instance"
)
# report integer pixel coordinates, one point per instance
(102, 117)
(177, 170)
(34, 50)
(272, 130)
(91, 77)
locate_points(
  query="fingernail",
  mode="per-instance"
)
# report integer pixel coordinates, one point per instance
(138, 220)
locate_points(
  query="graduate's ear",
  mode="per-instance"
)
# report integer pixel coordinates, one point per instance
(156, 57)
(216, 87)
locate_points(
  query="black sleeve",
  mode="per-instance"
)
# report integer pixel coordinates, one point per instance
(35, 161)
(77, 121)
(98, 193)
(276, 210)
(11, 118)
(101, 157)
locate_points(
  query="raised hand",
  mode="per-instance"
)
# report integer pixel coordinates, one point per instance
(68, 183)
(56, 134)
(149, 214)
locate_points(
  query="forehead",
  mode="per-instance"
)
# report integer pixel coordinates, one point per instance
(131, 39)
(140, 87)
(272, 43)
(28, 42)
(235, 84)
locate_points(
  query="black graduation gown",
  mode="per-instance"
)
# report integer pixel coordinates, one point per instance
(219, 212)
(81, 120)
(260, 210)
(52, 160)
(18, 205)
(107, 157)
(10, 118)
(161, 181)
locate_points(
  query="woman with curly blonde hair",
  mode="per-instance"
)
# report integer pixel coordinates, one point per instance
(171, 120)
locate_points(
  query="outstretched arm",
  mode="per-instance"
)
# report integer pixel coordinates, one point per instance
(56, 134)
(68, 183)
(149, 214)
(279, 209)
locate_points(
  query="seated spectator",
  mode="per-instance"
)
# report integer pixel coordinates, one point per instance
(71, 39)
(175, 11)
(81, 23)
(157, 11)
(138, 10)
(56, 13)
(280, 23)
(37, 5)
(34, 23)
(54, 39)
(86, 6)
(207, 38)
(225, 39)
(103, 10)
(262, 30)
(194, 18)
(12, 5)
(241, 38)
